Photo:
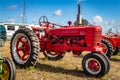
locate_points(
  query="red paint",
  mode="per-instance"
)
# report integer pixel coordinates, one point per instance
(23, 48)
(80, 38)
(93, 65)
(115, 41)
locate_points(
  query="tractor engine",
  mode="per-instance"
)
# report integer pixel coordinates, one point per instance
(72, 38)
(80, 41)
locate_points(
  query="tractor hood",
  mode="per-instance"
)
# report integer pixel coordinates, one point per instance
(75, 31)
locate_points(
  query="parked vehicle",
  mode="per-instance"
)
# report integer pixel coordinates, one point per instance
(26, 45)
(7, 67)
(3, 36)
(112, 43)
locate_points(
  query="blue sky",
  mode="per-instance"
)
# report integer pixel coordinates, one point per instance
(102, 12)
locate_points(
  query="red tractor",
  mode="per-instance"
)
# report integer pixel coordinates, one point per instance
(27, 43)
(111, 43)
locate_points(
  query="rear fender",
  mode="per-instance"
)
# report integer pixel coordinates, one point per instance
(111, 40)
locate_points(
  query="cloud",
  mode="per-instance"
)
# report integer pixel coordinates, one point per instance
(20, 16)
(12, 7)
(58, 12)
(80, 0)
(117, 24)
(97, 19)
(11, 20)
(34, 20)
(110, 22)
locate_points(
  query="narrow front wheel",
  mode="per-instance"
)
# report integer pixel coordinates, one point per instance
(96, 65)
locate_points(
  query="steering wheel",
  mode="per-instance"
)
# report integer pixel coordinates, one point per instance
(43, 19)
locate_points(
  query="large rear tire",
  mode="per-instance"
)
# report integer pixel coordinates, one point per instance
(24, 47)
(107, 48)
(116, 50)
(95, 64)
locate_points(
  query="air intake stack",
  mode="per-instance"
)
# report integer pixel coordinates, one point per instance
(79, 16)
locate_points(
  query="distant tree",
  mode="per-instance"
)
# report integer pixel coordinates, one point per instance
(84, 22)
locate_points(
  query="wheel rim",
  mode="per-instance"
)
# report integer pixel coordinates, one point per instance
(104, 47)
(21, 48)
(93, 66)
(51, 54)
(6, 72)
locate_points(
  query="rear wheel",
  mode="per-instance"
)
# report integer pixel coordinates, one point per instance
(24, 47)
(94, 64)
(107, 48)
(53, 55)
(9, 70)
(115, 51)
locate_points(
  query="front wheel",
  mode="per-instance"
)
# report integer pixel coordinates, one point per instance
(53, 55)
(9, 70)
(96, 65)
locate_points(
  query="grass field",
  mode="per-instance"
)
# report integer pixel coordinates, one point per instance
(69, 68)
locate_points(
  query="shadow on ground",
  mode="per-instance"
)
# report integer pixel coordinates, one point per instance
(49, 68)
(113, 59)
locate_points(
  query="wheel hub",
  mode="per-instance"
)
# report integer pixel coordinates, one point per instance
(21, 48)
(93, 66)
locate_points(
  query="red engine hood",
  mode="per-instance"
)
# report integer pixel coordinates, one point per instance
(76, 31)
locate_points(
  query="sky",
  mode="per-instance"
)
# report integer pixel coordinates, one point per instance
(105, 13)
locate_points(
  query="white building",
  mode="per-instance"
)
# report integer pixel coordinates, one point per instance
(11, 28)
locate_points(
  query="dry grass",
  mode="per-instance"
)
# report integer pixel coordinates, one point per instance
(69, 68)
